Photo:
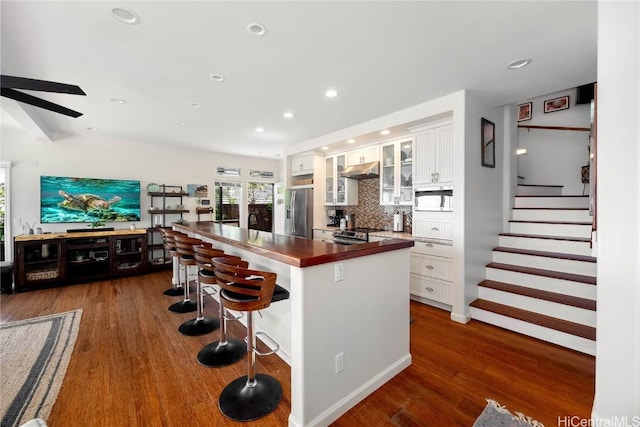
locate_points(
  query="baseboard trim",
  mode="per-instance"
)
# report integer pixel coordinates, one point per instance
(351, 400)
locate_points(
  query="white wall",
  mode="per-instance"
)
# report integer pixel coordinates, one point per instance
(482, 196)
(555, 156)
(617, 391)
(96, 157)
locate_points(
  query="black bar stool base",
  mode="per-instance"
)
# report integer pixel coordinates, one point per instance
(183, 307)
(242, 403)
(174, 292)
(196, 327)
(222, 355)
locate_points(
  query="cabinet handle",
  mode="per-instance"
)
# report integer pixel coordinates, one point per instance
(429, 267)
(429, 245)
(435, 229)
(430, 289)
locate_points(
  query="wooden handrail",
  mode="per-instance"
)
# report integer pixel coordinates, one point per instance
(555, 128)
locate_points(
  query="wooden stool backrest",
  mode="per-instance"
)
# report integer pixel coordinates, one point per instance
(235, 277)
(184, 245)
(203, 256)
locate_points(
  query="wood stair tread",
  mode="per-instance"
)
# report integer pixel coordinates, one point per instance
(542, 236)
(555, 209)
(565, 326)
(540, 185)
(557, 255)
(550, 195)
(588, 280)
(585, 303)
(536, 221)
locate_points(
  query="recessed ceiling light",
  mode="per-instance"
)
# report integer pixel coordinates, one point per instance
(324, 148)
(351, 141)
(259, 129)
(90, 129)
(126, 16)
(181, 123)
(385, 132)
(194, 104)
(117, 100)
(216, 77)
(331, 93)
(256, 29)
(519, 63)
(288, 115)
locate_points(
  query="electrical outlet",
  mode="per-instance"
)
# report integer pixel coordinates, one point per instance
(339, 272)
(17, 222)
(339, 362)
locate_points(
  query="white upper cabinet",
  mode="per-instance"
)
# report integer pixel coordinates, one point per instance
(363, 155)
(433, 154)
(396, 180)
(302, 165)
(339, 191)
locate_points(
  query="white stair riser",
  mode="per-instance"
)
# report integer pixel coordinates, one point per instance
(559, 286)
(581, 215)
(546, 263)
(551, 202)
(544, 229)
(549, 245)
(539, 190)
(573, 342)
(548, 308)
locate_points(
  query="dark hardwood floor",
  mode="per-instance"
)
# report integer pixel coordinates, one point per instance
(131, 366)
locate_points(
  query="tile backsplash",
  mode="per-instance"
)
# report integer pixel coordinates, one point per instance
(370, 214)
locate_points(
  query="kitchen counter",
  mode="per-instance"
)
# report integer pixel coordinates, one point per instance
(387, 234)
(295, 251)
(351, 301)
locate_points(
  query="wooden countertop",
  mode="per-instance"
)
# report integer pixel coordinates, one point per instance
(47, 236)
(295, 251)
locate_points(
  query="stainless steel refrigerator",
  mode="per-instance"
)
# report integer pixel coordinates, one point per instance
(298, 220)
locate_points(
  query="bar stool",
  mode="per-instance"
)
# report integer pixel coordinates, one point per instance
(184, 247)
(255, 395)
(170, 245)
(202, 325)
(225, 351)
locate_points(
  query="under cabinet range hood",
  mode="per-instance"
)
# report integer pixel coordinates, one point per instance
(362, 171)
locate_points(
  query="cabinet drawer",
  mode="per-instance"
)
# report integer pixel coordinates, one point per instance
(432, 266)
(432, 228)
(432, 289)
(433, 248)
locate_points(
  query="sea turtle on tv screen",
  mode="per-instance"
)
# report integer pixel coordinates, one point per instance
(86, 202)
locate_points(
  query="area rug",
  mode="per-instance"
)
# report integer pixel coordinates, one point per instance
(496, 415)
(34, 355)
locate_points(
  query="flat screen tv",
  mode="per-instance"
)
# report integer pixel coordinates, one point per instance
(68, 199)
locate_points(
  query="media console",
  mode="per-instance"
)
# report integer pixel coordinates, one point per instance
(61, 258)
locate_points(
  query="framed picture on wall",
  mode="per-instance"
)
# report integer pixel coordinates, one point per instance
(524, 112)
(488, 139)
(556, 104)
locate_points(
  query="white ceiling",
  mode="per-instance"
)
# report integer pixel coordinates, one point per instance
(381, 57)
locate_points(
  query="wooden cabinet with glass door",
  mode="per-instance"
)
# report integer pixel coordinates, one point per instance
(396, 180)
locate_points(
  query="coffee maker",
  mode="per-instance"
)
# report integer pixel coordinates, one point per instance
(334, 217)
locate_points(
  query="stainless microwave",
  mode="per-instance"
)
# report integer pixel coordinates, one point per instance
(435, 199)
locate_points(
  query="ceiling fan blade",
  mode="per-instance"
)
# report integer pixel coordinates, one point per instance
(38, 102)
(11, 82)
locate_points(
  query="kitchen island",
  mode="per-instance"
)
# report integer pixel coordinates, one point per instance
(345, 328)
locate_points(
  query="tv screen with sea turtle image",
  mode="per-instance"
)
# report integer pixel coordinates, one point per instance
(68, 199)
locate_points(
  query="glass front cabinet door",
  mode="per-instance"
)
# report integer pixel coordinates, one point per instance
(396, 180)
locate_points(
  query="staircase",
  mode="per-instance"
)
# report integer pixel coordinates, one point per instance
(542, 279)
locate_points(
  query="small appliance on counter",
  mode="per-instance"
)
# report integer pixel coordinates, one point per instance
(334, 217)
(351, 220)
(398, 222)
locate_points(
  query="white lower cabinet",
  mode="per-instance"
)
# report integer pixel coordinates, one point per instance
(323, 235)
(432, 271)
